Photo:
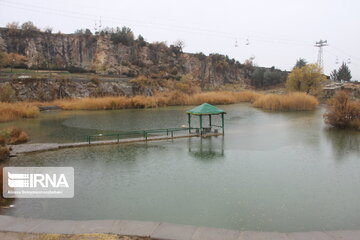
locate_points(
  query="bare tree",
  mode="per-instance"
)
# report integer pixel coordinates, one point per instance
(13, 25)
(180, 44)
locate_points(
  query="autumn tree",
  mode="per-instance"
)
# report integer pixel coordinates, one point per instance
(12, 60)
(306, 79)
(13, 25)
(7, 93)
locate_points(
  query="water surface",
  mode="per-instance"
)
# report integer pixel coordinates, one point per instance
(270, 172)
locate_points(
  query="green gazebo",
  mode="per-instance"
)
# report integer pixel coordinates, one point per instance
(209, 110)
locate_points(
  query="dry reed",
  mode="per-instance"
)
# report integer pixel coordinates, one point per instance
(13, 111)
(293, 101)
(290, 102)
(172, 98)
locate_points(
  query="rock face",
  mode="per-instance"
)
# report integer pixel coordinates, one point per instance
(48, 90)
(99, 53)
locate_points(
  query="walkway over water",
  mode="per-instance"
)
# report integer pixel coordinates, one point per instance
(159, 230)
(40, 147)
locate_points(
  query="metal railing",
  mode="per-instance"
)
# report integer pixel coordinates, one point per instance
(144, 133)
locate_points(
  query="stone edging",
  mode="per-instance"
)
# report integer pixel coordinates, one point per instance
(159, 230)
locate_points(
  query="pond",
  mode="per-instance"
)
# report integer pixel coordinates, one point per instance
(270, 172)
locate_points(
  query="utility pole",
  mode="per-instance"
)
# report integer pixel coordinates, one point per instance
(320, 45)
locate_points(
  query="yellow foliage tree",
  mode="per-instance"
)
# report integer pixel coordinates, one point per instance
(16, 60)
(306, 79)
(12, 59)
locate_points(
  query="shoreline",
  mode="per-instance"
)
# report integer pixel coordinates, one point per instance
(158, 230)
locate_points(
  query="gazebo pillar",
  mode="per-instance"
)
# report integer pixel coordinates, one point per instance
(189, 122)
(210, 121)
(200, 124)
(222, 123)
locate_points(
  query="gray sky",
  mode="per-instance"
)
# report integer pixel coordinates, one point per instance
(279, 31)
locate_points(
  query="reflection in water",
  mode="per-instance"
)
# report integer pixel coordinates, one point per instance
(343, 142)
(281, 171)
(206, 148)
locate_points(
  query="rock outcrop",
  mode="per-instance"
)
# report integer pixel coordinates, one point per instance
(99, 53)
(48, 90)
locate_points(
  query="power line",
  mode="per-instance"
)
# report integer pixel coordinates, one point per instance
(85, 16)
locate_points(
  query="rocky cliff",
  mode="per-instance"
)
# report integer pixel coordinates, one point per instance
(101, 54)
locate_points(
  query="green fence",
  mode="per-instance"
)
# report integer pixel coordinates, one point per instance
(141, 133)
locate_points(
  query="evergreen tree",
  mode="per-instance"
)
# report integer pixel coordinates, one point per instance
(344, 74)
(334, 75)
(301, 62)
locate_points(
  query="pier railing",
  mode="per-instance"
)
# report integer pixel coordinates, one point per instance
(142, 133)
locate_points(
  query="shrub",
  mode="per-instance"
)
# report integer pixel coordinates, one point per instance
(355, 124)
(290, 102)
(29, 26)
(2, 141)
(95, 80)
(187, 84)
(4, 153)
(14, 60)
(342, 112)
(7, 93)
(21, 138)
(123, 35)
(13, 136)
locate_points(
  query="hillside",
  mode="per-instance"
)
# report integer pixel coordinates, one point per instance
(103, 54)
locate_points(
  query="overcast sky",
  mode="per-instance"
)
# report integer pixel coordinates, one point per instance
(278, 31)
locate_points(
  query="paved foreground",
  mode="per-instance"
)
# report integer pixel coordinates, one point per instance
(157, 230)
(46, 236)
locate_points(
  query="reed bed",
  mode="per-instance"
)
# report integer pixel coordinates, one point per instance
(13, 111)
(290, 102)
(293, 101)
(172, 98)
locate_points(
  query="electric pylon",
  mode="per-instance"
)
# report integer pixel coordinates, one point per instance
(320, 45)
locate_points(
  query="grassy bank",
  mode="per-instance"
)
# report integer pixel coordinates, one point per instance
(289, 102)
